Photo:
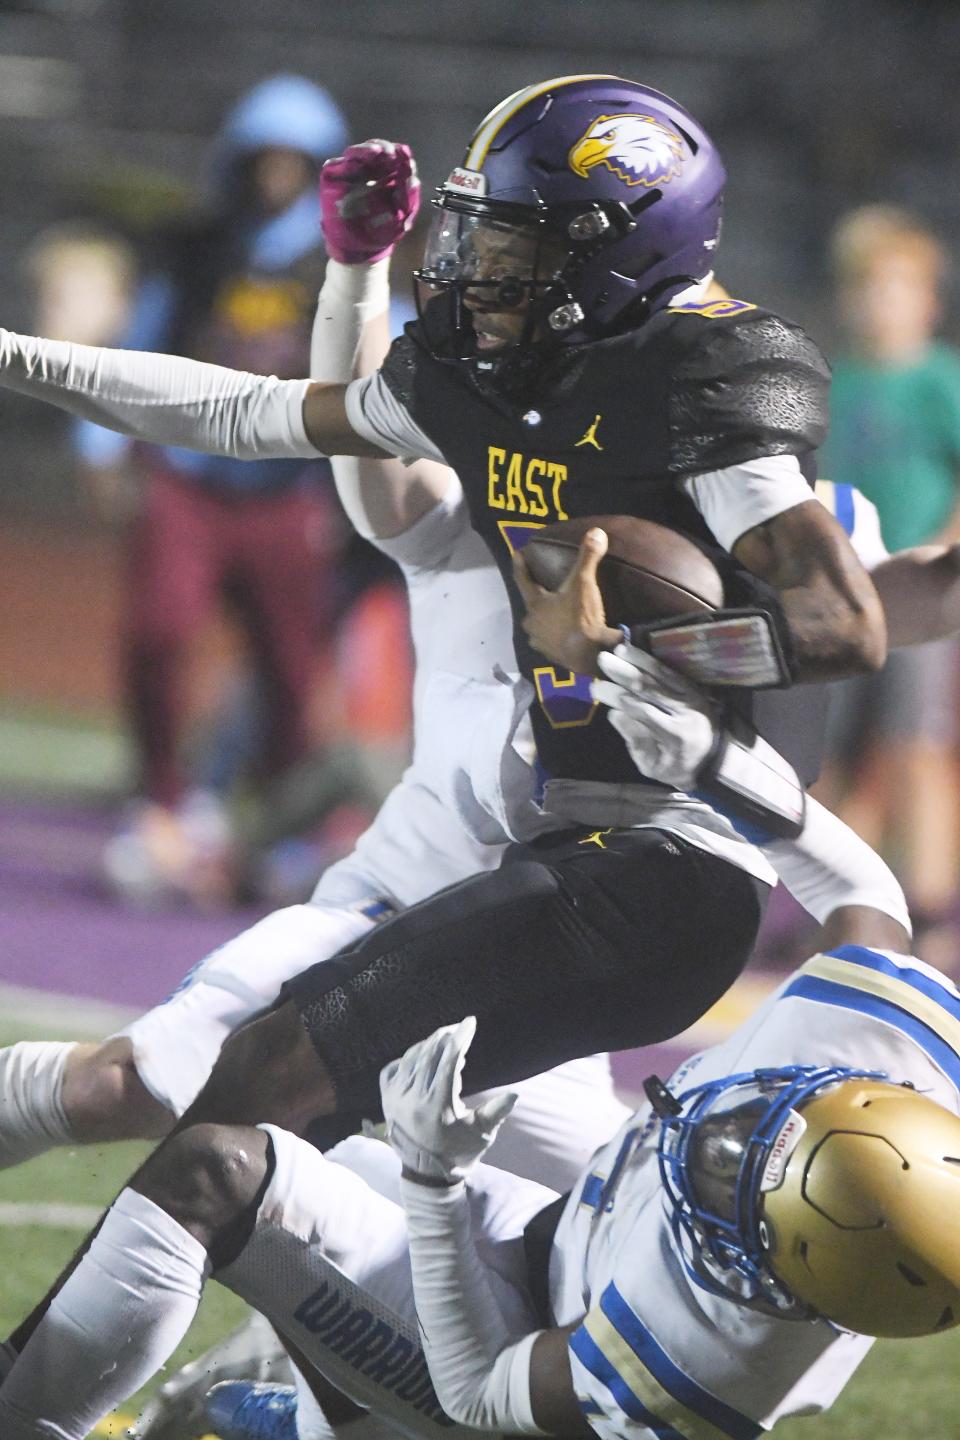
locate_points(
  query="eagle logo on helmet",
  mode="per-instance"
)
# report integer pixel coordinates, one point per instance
(637, 148)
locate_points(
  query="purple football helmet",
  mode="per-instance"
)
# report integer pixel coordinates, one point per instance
(615, 190)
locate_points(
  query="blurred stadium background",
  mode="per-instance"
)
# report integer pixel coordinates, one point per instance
(106, 111)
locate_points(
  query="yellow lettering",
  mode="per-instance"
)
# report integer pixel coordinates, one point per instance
(524, 487)
(516, 500)
(495, 458)
(538, 503)
(558, 473)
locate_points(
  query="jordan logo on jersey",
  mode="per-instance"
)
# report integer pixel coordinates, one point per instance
(590, 435)
(596, 838)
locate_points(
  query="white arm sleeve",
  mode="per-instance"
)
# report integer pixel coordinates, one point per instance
(376, 414)
(734, 500)
(481, 1372)
(428, 542)
(349, 297)
(828, 866)
(164, 399)
(382, 498)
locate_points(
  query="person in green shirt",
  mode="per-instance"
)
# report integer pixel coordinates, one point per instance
(895, 435)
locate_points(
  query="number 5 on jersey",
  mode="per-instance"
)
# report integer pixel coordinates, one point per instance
(564, 696)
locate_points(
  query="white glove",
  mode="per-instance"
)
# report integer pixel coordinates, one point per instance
(433, 1132)
(667, 722)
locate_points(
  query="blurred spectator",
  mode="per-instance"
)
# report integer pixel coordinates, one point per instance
(82, 278)
(236, 287)
(895, 434)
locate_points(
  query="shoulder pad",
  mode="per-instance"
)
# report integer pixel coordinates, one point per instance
(744, 383)
(723, 309)
(399, 369)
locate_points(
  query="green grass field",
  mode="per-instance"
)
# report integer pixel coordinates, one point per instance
(905, 1390)
(31, 1256)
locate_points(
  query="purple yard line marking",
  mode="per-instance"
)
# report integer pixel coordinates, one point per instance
(59, 932)
(45, 845)
(64, 815)
(79, 945)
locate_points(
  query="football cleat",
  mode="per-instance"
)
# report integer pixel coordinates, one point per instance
(239, 1410)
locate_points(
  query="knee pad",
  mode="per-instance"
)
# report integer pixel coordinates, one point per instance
(211, 1176)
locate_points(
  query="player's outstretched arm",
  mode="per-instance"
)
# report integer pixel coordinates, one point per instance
(372, 196)
(169, 400)
(832, 609)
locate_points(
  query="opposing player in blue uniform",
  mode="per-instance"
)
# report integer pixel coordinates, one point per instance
(719, 1264)
(725, 1260)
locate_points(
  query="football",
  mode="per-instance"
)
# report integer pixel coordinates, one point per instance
(648, 572)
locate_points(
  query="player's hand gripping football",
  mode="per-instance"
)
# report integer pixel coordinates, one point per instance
(668, 723)
(438, 1138)
(568, 625)
(369, 197)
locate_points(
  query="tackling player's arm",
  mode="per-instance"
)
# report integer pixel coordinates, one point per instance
(920, 591)
(368, 198)
(382, 497)
(484, 1376)
(553, 1399)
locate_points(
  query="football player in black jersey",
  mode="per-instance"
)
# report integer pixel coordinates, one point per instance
(567, 364)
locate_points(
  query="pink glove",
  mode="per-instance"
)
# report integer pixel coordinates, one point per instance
(369, 197)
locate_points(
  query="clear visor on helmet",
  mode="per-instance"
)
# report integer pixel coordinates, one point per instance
(503, 261)
(719, 1146)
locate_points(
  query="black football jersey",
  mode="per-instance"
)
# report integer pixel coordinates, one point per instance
(612, 427)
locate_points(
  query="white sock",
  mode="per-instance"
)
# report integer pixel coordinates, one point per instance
(32, 1118)
(118, 1318)
(312, 1423)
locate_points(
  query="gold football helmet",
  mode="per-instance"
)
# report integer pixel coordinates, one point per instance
(819, 1192)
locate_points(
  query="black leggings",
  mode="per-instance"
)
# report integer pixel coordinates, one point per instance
(579, 942)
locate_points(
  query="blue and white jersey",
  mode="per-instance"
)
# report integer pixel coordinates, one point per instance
(658, 1357)
(858, 516)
